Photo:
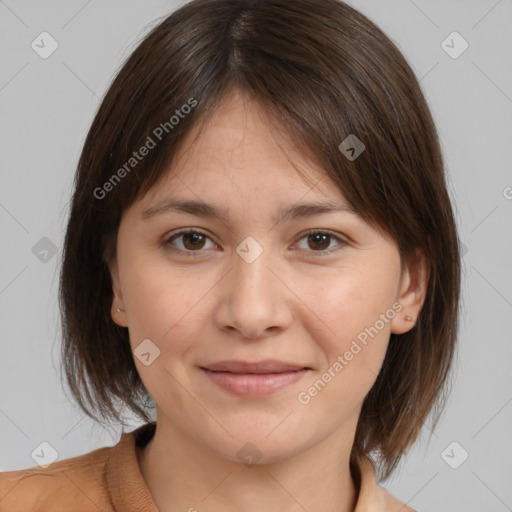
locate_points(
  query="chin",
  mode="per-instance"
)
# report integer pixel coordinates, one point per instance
(251, 445)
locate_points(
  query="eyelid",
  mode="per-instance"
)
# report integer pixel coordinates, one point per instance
(343, 242)
(184, 231)
(326, 252)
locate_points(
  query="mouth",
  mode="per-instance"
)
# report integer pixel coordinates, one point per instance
(256, 379)
(262, 367)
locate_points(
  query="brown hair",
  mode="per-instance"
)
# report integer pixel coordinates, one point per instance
(323, 71)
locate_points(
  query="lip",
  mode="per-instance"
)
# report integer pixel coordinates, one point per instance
(254, 379)
(267, 366)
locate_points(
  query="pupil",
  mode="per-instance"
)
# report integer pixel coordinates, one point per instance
(194, 238)
(317, 236)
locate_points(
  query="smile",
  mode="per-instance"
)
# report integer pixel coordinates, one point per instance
(253, 379)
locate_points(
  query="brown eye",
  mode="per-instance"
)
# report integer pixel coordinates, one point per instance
(194, 241)
(319, 241)
(191, 241)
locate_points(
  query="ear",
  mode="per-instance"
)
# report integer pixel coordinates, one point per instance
(412, 292)
(119, 317)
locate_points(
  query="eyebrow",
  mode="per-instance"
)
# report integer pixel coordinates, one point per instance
(202, 209)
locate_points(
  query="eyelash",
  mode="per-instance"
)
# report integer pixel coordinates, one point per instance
(325, 252)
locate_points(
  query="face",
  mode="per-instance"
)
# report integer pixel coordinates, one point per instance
(313, 298)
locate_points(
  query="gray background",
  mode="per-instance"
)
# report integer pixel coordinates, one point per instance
(47, 106)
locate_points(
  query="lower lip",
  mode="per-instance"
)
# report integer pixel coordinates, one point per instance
(254, 384)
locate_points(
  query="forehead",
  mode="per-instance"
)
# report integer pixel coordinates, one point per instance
(240, 152)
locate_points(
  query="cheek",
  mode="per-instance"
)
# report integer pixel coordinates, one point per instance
(353, 340)
(348, 301)
(165, 308)
(350, 320)
(160, 303)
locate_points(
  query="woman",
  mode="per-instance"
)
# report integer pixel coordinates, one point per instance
(262, 246)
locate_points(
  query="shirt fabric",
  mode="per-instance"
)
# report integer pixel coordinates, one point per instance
(109, 480)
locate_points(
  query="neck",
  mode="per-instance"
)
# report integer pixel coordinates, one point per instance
(183, 474)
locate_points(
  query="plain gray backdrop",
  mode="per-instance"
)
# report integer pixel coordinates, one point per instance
(47, 105)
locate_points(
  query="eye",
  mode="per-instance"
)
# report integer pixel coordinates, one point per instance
(193, 240)
(320, 241)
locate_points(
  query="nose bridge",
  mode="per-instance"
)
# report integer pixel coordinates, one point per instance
(251, 266)
(256, 299)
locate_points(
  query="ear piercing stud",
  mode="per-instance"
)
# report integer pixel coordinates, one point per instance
(120, 310)
(407, 318)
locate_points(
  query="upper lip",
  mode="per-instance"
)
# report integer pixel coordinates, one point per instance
(267, 366)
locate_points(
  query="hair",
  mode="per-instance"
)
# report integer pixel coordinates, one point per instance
(322, 71)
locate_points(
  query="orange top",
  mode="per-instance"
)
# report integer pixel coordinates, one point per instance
(109, 480)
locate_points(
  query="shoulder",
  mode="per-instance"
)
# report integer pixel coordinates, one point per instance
(76, 483)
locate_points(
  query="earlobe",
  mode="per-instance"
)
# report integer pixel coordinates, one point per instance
(117, 309)
(412, 293)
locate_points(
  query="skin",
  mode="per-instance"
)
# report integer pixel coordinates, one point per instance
(290, 303)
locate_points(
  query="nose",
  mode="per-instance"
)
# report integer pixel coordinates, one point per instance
(255, 298)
